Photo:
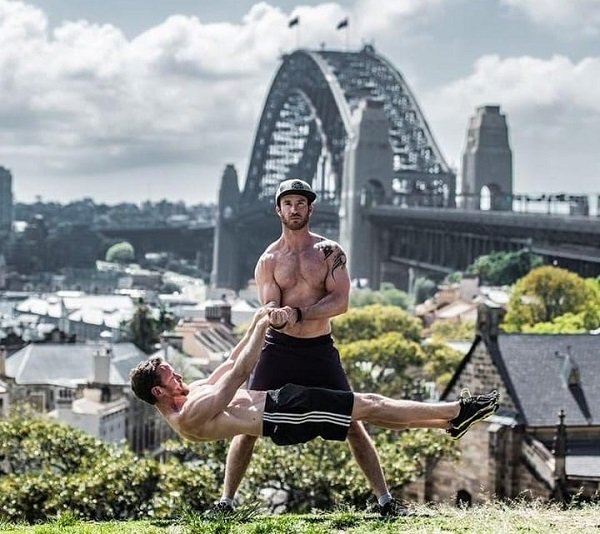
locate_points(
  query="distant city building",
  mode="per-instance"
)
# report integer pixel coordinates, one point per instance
(6, 201)
(86, 386)
(207, 338)
(2, 272)
(86, 316)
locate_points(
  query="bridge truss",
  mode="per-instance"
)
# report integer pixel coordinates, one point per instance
(306, 124)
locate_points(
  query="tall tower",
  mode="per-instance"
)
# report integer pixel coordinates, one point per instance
(225, 254)
(487, 162)
(6, 201)
(368, 173)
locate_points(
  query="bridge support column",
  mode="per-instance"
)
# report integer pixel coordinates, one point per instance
(225, 271)
(367, 180)
(487, 161)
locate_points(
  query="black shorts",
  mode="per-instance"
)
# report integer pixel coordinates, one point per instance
(296, 414)
(311, 362)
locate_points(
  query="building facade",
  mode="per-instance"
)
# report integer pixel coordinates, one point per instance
(544, 442)
(6, 201)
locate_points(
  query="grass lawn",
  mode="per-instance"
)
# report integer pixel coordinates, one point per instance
(492, 518)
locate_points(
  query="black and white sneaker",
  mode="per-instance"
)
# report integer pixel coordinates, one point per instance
(219, 509)
(394, 508)
(472, 410)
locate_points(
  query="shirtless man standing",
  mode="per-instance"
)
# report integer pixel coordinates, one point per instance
(304, 274)
(216, 408)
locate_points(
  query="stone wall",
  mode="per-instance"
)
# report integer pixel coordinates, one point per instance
(470, 473)
(531, 486)
(481, 375)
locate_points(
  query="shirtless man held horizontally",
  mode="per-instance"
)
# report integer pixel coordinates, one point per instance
(305, 274)
(215, 408)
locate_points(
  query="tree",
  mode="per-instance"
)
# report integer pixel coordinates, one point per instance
(574, 323)
(441, 361)
(388, 294)
(143, 328)
(545, 294)
(424, 289)
(452, 330)
(121, 252)
(504, 268)
(372, 321)
(381, 364)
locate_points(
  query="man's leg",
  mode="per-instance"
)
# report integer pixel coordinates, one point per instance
(398, 414)
(366, 457)
(238, 459)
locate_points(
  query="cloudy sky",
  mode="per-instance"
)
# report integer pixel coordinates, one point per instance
(126, 100)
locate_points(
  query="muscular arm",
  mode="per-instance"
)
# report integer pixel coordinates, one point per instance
(269, 293)
(337, 284)
(209, 402)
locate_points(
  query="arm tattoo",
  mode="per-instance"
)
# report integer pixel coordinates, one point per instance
(339, 260)
(327, 250)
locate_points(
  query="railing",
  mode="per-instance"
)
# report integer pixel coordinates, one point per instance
(549, 204)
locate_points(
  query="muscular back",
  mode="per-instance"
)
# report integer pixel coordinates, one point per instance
(311, 276)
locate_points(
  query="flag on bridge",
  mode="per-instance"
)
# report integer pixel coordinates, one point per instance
(342, 24)
(294, 22)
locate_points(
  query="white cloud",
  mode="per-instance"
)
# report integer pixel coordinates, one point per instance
(552, 110)
(583, 15)
(85, 99)
(528, 83)
(374, 16)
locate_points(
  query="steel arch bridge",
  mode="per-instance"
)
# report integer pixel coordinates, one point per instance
(306, 124)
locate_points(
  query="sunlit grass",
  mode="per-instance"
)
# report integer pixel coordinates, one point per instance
(534, 517)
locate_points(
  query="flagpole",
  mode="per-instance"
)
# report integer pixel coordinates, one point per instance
(347, 30)
(295, 22)
(344, 24)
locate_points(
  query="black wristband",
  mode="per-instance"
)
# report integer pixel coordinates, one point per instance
(298, 314)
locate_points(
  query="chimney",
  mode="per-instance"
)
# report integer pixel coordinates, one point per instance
(570, 371)
(102, 359)
(488, 320)
(64, 401)
(2, 361)
(226, 314)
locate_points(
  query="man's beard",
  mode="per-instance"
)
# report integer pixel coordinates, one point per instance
(296, 223)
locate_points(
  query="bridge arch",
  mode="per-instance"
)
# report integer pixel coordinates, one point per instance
(306, 124)
(317, 125)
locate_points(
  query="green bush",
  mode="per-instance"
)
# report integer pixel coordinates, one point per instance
(323, 474)
(54, 469)
(122, 252)
(373, 321)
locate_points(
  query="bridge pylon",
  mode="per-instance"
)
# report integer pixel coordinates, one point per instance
(487, 162)
(225, 255)
(367, 181)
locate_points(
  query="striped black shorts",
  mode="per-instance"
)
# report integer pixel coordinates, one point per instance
(296, 414)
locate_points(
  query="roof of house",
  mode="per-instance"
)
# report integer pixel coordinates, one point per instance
(583, 460)
(69, 364)
(534, 369)
(110, 310)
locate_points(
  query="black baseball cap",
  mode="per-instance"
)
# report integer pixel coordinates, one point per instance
(295, 187)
